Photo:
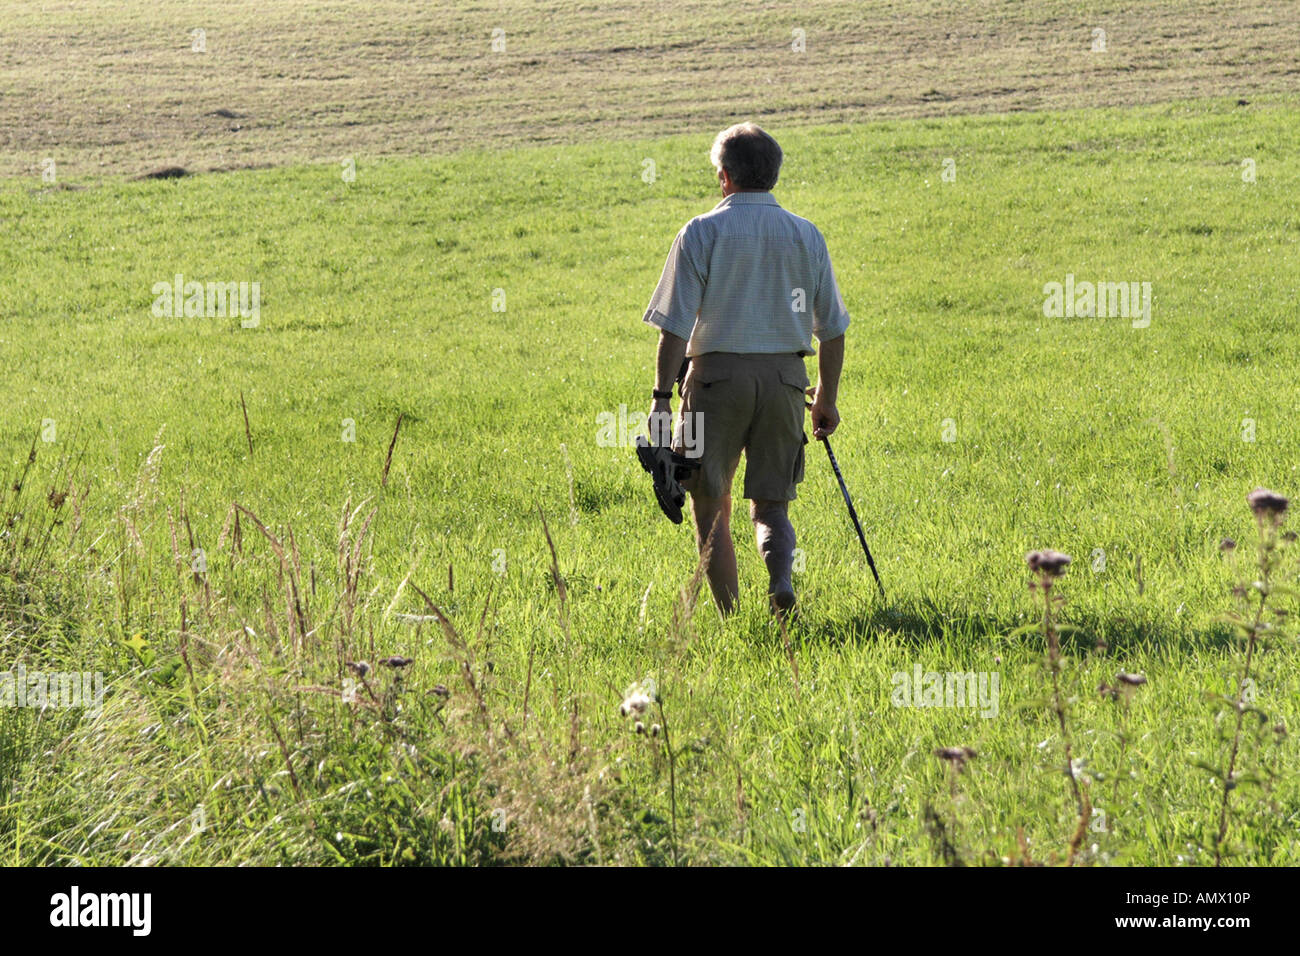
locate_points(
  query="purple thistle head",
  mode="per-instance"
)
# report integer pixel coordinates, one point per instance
(1049, 563)
(1267, 505)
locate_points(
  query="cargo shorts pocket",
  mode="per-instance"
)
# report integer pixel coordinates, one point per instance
(796, 378)
(705, 380)
(706, 400)
(705, 391)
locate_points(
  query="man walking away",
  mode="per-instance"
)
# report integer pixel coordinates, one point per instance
(745, 288)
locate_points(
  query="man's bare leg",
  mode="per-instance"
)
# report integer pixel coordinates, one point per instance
(775, 536)
(715, 514)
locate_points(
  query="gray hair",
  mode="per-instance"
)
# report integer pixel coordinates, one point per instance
(750, 156)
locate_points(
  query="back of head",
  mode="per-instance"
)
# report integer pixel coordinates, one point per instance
(750, 156)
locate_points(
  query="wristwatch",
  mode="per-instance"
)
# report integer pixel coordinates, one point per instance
(656, 394)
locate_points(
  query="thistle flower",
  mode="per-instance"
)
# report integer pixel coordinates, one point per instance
(360, 668)
(957, 756)
(1125, 685)
(1227, 544)
(396, 661)
(1267, 505)
(440, 690)
(1049, 563)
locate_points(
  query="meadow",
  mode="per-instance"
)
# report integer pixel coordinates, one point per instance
(229, 579)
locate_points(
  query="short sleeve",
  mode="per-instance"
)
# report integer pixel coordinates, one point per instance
(830, 315)
(676, 300)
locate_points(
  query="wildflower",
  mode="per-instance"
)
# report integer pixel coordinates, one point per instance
(440, 690)
(638, 697)
(656, 730)
(396, 661)
(639, 727)
(1132, 680)
(1227, 544)
(1267, 504)
(957, 756)
(1049, 563)
(360, 668)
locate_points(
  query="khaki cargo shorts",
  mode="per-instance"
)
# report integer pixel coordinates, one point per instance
(752, 403)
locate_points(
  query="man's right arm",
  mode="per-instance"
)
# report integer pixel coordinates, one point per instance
(676, 299)
(673, 309)
(668, 362)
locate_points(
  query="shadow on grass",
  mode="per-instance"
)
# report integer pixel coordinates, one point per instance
(923, 623)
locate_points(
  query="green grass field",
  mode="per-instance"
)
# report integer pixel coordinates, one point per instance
(975, 429)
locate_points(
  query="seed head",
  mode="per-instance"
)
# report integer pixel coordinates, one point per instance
(634, 704)
(360, 668)
(638, 697)
(396, 661)
(1132, 680)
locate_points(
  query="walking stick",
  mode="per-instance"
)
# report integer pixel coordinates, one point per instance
(844, 489)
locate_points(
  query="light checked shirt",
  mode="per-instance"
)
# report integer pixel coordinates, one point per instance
(748, 277)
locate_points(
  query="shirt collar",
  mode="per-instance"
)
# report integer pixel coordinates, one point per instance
(764, 199)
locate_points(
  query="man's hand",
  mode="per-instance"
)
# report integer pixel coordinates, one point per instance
(668, 362)
(830, 360)
(825, 416)
(660, 423)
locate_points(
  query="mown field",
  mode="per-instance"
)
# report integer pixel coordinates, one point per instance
(975, 428)
(111, 88)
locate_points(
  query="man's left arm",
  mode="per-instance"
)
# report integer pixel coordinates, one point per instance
(830, 322)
